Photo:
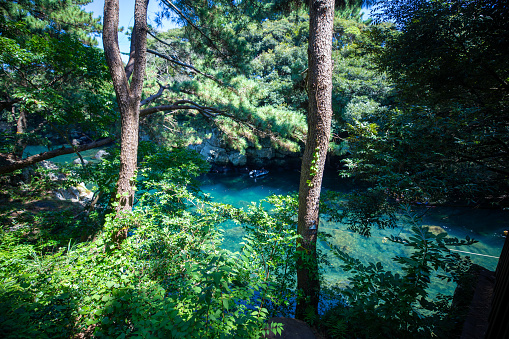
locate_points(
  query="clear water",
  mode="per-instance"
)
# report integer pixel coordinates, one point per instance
(240, 190)
(486, 226)
(62, 159)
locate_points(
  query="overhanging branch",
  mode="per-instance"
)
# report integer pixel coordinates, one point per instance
(209, 113)
(13, 164)
(479, 161)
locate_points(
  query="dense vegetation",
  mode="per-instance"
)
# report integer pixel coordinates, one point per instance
(419, 102)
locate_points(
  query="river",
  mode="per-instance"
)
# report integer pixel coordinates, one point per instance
(239, 190)
(484, 225)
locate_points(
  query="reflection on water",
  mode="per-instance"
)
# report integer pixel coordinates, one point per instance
(486, 226)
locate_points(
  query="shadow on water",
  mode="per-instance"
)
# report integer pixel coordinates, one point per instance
(486, 226)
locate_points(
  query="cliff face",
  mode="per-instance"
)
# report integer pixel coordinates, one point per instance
(219, 153)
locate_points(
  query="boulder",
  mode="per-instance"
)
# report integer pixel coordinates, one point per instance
(100, 154)
(196, 147)
(52, 167)
(264, 153)
(71, 194)
(74, 194)
(83, 192)
(57, 176)
(237, 159)
(214, 154)
(77, 161)
(48, 165)
(75, 134)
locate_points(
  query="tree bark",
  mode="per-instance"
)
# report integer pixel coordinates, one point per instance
(21, 127)
(128, 95)
(313, 160)
(9, 163)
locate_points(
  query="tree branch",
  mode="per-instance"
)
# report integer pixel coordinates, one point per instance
(129, 68)
(209, 113)
(488, 167)
(154, 96)
(180, 63)
(13, 164)
(169, 4)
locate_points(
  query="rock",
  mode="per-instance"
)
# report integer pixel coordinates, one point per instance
(84, 193)
(196, 147)
(100, 154)
(237, 159)
(215, 154)
(279, 162)
(222, 158)
(264, 153)
(74, 194)
(472, 302)
(48, 165)
(77, 161)
(436, 230)
(84, 140)
(71, 194)
(57, 176)
(215, 140)
(292, 329)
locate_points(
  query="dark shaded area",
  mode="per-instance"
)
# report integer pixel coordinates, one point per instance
(471, 303)
(292, 329)
(498, 324)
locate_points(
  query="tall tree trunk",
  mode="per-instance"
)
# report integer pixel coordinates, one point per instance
(313, 160)
(128, 95)
(21, 127)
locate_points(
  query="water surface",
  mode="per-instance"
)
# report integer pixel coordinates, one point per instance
(486, 226)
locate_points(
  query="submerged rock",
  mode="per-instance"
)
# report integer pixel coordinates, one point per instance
(436, 230)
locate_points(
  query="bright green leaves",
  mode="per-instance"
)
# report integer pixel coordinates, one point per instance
(49, 76)
(398, 305)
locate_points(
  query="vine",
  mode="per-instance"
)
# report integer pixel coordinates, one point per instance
(314, 166)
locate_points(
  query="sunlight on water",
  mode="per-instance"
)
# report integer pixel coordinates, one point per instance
(486, 226)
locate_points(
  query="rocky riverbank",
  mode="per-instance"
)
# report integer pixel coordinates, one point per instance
(222, 156)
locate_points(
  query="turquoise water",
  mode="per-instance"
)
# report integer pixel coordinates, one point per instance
(240, 190)
(62, 159)
(486, 226)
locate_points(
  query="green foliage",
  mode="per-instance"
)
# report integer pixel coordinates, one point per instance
(271, 238)
(48, 15)
(380, 303)
(361, 210)
(444, 137)
(265, 87)
(52, 81)
(169, 278)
